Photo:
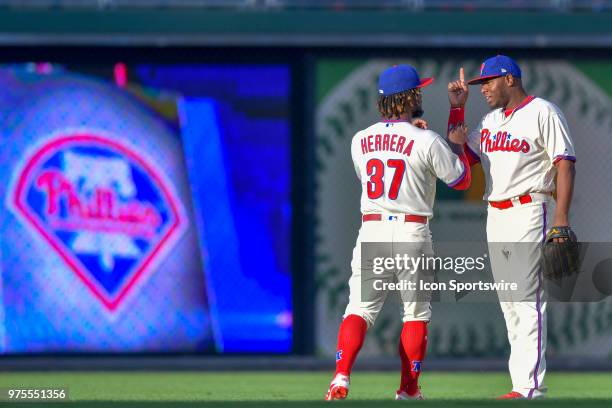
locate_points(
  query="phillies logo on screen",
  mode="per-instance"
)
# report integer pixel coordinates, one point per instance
(102, 207)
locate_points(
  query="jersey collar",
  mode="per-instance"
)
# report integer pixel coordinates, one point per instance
(508, 112)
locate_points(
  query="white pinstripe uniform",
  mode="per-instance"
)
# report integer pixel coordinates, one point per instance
(518, 152)
(397, 164)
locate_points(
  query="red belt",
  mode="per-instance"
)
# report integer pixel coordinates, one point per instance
(505, 204)
(407, 218)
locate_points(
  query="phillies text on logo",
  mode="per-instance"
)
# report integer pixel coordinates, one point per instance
(102, 207)
(502, 142)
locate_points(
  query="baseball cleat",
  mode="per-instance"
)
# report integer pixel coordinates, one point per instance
(338, 389)
(511, 395)
(403, 395)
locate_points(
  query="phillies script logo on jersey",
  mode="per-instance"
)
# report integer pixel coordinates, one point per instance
(502, 142)
(101, 207)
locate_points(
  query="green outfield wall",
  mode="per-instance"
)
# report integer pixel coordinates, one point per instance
(345, 95)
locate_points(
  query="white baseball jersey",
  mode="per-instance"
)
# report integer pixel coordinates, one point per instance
(518, 151)
(398, 163)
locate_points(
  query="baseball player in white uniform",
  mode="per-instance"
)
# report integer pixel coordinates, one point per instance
(522, 144)
(397, 164)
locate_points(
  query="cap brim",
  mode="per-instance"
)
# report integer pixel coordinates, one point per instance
(425, 82)
(481, 79)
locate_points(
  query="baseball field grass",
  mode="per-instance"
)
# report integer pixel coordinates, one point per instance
(300, 389)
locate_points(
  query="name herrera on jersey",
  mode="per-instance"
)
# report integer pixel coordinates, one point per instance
(390, 143)
(501, 142)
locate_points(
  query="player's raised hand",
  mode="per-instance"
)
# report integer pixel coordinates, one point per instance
(420, 123)
(458, 134)
(458, 91)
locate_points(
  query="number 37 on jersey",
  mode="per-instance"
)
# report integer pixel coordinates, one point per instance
(398, 164)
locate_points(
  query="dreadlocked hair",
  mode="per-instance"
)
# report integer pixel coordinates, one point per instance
(393, 106)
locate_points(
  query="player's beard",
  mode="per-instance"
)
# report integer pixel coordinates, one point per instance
(417, 112)
(496, 105)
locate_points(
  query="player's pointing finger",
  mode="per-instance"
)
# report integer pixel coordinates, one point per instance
(461, 76)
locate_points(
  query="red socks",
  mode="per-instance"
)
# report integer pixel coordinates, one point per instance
(405, 376)
(412, 348)
(350, 339)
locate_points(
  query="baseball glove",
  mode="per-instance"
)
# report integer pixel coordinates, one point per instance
(560, 259)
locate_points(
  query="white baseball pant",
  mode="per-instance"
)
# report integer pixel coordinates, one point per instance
(509, 232)
(392, 229)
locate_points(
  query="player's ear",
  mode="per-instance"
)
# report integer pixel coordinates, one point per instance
(510, 80)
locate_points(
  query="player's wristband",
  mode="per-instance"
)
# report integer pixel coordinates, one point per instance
(455, 117)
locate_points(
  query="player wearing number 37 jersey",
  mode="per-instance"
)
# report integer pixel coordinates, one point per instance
(397, 161)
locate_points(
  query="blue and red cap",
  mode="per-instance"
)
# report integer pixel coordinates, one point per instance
(496, 66)
(400, 78)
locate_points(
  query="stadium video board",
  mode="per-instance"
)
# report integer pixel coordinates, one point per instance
(126, 206)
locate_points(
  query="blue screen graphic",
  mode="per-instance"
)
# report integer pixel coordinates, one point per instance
(236, 138)
(99, 252)
(150, 219)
